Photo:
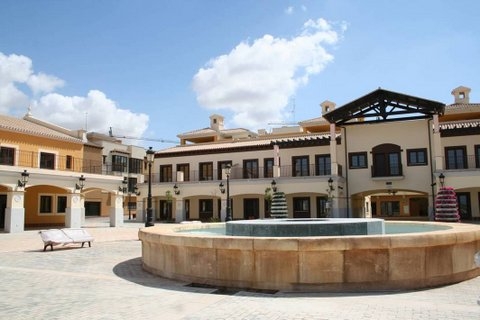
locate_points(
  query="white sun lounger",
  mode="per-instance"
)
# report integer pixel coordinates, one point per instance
(53, 237)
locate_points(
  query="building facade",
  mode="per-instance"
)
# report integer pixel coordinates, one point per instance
(52, 176)
(380, 155)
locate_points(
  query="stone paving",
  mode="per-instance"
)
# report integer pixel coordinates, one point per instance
(106, 281)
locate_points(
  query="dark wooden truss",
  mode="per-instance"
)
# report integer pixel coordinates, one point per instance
(382, 106)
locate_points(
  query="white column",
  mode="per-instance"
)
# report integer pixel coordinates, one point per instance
(15, 212)
(179, 212)
(437, 144)
(333, 150)
(276, 161)
(223, 211)
(140, 216)
(116, 210)
(73, 212)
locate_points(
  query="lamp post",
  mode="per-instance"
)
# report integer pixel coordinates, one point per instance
(150, 156)
(228, 170)
(81, 183)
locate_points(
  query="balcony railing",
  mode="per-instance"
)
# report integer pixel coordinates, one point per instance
(462, 163)
(29, 159)
(244, 173)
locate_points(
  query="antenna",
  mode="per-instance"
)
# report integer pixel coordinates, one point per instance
(290, 123)
(86, 121)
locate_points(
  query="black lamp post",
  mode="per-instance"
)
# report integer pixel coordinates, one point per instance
(228, 170)
(176, 190)
(150, 157)
(441, 177)
(22, 183)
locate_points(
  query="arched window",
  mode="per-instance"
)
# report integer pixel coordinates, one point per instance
(386, 160)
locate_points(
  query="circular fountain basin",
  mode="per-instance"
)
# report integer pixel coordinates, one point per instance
(305, 227)
(397, 261)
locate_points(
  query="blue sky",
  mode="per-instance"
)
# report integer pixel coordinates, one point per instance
(159, 68)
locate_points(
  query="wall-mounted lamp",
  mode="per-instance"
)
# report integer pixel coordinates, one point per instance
(176, 190)
(221, 186)
(274, 185)
(23, 182)
(330, 184)
(441, 177)
(80, 184)
(123, 187)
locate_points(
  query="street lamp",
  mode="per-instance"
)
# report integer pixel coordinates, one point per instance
(442, 179)
(22, 183)
(150, 157)
(228, 170)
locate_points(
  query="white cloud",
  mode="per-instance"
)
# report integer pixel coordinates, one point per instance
(44, 83)
(289, 10)
(256, 80)
(95, 110)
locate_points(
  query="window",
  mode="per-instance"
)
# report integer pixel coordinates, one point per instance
(268, 168)
(323, 165)
(477, 156)
(456, 157)
(357, 160)
(132, 183)
(45, 204)
(135, 165)
(47, 160)
(300, 166)
(206, 209)
(301, 207)
(222, 165)
(68, 162)
(166, 173)
(250, 169)
(322, 207)
(417, 157)
(7, 156)
(185, 168)
(119, 163)
(386, 160)
(61, 204)
(390, 208)
(206, 171)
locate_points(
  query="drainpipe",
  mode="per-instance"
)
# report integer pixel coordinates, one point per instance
(347, 194)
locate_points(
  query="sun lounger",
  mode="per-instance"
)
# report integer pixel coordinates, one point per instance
(65, 236)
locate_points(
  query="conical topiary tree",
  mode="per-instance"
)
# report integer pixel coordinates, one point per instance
(279, 206)
(446, 205)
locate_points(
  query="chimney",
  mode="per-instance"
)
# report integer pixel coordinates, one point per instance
(216, 122)
(461, 95)
(327, 106)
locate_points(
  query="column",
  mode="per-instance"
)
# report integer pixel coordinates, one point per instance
(333, 150)
(73, 212)
(437, 144)
(15, 212)
(116, 210)
(140, 216)
(179, 212)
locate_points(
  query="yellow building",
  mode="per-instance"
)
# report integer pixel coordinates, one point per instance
(380, 155)
(52, 176)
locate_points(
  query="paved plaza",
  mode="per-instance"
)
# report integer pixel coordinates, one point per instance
(106, 281)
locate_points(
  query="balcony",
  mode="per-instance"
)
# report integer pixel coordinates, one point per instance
(462, 163)
(245, 174)
(27, 159)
